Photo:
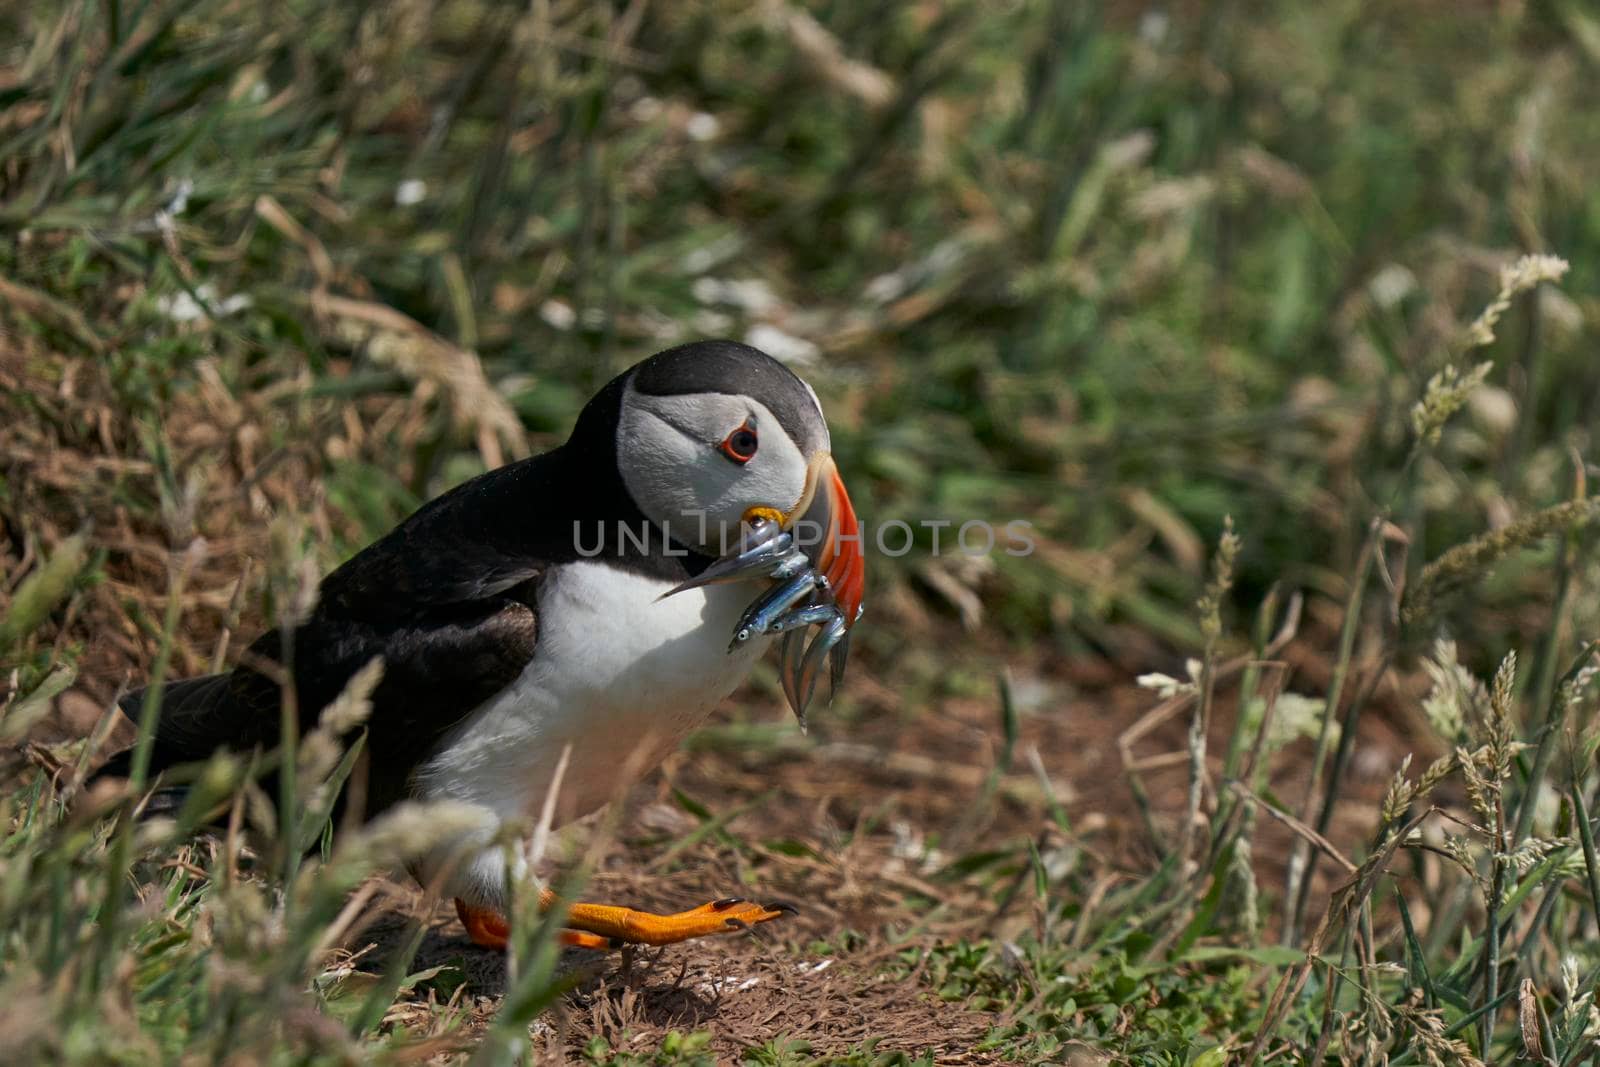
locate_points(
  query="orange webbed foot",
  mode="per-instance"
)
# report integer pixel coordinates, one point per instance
(632, 927)
(605, 926)
(486, 927)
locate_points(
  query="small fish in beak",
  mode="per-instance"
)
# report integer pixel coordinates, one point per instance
(814, 557)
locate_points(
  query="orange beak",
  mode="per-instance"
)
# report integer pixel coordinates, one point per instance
(828, 532)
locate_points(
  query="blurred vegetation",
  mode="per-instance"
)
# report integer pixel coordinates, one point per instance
(273, 274)
(1117, 270)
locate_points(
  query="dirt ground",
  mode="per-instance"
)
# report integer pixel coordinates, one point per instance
(881, 807)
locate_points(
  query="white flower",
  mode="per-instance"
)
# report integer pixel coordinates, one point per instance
(748, 294)
(1153, 27)
(1165, 685)
(411, 191)
(180, 198)
(699, 260)
(184, 307)
(558, 314)
(180, 307)
(1298, 716)
(1392, 284)
(886, 287)
(781, 346)
(708, 323)
(703, 126)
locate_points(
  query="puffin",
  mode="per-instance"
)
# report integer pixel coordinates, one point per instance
(553, 628)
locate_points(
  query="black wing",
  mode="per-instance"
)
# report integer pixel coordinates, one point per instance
(448, 599)
(438, 666)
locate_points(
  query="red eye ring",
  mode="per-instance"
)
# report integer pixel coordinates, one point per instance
(740, 445)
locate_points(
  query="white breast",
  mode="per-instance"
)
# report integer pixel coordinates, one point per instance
(619, 675)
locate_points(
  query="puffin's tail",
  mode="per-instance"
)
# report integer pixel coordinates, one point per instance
(186, 730)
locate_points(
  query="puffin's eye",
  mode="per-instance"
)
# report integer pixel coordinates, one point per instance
(740, 445)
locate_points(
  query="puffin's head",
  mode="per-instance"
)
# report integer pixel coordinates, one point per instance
(714, 434)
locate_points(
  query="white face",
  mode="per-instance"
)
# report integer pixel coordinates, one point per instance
(697, 462)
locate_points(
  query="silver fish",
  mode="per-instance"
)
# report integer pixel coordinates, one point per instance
(760, 616)
(799, 599)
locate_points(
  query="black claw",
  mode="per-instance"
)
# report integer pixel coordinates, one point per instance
(726, 902)
(783, 906)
